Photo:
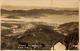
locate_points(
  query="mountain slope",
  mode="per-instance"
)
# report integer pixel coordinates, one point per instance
(69, 27)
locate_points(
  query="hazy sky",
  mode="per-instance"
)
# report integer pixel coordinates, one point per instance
(43, 3)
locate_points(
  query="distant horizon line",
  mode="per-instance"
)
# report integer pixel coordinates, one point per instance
(44, 7)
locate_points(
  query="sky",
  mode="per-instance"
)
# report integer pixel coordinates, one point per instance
(43, 3)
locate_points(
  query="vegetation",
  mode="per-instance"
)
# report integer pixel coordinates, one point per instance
(40, 36)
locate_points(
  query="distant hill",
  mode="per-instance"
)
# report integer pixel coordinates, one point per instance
(37, 12)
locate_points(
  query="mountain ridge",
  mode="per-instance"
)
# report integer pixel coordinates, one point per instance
(37, 12)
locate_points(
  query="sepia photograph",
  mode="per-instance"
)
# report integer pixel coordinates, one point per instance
(39, 25)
